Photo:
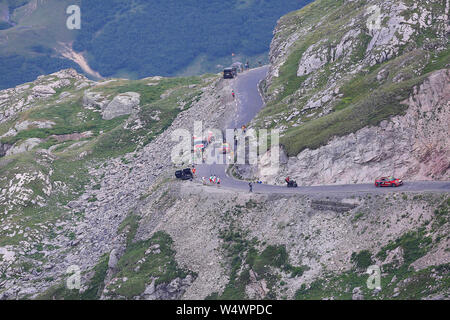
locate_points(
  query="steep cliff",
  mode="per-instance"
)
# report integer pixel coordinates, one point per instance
(360, 89)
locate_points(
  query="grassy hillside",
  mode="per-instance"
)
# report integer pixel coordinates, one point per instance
(76, 130)
(354, 76)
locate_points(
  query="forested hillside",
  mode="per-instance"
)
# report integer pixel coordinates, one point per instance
(30, 31)
(163, 38)
(138, 38)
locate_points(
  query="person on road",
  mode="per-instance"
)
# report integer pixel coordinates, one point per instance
(218, 181)
(233, 94)
(193, 171)
(204, 181)
(250, 186)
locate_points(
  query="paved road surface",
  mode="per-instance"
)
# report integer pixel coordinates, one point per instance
(249, 103)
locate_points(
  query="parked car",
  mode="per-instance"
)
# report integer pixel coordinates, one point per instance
(228, 73)
(185, 174)
(388, 182)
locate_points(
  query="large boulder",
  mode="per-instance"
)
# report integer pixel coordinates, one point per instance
(122, 104)
(25, 125)
(113, 259)
(94, 99)
(24, 147)
(43, 91)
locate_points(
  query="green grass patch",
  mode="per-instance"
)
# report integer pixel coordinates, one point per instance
(414, 244)
(419, 284)
(131, 224)
(244, 257)
(93, 292)
(161, 266)
(376, 106)
(362, 260)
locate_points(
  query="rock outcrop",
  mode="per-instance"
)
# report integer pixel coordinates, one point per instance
(414, 146)
(3, 149)
(123, 104)
(23, 97)
(28, 145)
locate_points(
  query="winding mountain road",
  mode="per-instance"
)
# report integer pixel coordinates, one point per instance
(249, 103)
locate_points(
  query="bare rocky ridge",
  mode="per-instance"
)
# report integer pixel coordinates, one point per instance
(23, 97)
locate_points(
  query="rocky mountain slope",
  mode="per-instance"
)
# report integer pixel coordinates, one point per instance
(69, 143)
(87, 185)
(90, 187)
(360, 89)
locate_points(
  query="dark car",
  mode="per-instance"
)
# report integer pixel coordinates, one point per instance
(228, 73)
(185, 174)
(388, 182)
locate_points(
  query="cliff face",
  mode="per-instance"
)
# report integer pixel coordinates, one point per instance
(414, 146)
(360, 89)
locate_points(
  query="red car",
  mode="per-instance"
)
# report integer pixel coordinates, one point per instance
(388, 182)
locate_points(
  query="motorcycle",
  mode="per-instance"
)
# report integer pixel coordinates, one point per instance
(292, 184)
